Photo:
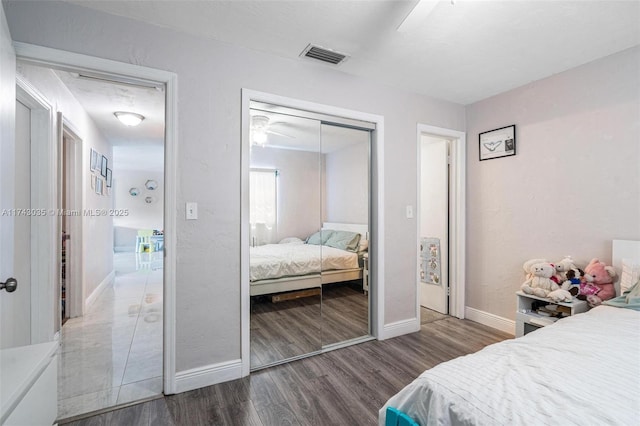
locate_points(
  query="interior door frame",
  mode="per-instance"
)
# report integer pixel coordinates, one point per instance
(376, 227)
(55, 58)
(43, 243)
(457, 215)
(75, 291)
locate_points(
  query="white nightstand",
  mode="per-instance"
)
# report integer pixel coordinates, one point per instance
(528, 320)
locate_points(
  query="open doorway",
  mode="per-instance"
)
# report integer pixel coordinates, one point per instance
(109, 302)
(441, 223)
(70, 190)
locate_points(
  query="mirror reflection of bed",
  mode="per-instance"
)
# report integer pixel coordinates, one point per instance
(309, 214)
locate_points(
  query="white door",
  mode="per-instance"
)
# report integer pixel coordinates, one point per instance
(433, 224)
(8, 304)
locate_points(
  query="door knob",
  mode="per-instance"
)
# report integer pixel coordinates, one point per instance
(10, 285)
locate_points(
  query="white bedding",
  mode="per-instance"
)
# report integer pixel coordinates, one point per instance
(287, 260)
(584, 369)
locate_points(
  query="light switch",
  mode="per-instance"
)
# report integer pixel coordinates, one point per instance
(409, 212)
(192, 211)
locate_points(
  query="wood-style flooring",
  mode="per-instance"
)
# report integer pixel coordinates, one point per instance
(342, 387)
(290, 328)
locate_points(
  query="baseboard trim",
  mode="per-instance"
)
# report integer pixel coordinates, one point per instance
(89, 301)
(400, 328)
(124, 249)
(490, 320)
(208, 375)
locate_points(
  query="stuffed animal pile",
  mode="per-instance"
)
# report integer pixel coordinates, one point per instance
(562, 281)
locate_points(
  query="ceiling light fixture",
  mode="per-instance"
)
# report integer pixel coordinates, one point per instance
(259, 137)
(129, 118)
(417, 16)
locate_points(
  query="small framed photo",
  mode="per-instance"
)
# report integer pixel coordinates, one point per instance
(498, 143)
(93, 164)
(99, 186)
(108, 178)
(103, 169)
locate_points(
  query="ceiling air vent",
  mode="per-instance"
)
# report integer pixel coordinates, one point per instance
(324, 55)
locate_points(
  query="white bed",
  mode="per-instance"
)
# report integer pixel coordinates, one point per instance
(277, 268)
(584, 369)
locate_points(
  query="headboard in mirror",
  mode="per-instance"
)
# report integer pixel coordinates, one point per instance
(361, 229)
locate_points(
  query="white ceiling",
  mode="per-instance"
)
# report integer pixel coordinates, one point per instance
(463, 53)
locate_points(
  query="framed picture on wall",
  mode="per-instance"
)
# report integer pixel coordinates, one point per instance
(99, 186)
(103, 170)
(498, 143)
(108, 178)
(93, 163)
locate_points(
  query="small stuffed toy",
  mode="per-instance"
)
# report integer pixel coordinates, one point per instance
(602, 280)
(575, 277)
(562, 267)
(527, 266)
(560, 295)
(539, 281)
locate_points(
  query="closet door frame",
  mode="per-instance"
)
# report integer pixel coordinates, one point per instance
(376, 226)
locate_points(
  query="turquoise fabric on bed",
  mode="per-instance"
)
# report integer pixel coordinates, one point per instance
(395, 417)
(343, 240)
(630, 299)
(320, 238)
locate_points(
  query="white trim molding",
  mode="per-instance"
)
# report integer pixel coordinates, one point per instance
(457, 217)
(44, 245)
(400, 328)
(208, 375)
(91, 299)
(377, 208)
(122, 71)
(490, 320)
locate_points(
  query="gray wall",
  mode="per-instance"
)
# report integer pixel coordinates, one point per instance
(211, 75)
(573, 186)
(347, 183)
(139, 214)
(97, 236)
(299, 188)
(7, 174)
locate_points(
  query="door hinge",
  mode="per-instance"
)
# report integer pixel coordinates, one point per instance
(448, 159)
(448, 291)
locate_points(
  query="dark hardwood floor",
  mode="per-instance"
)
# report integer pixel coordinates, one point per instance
(295, 327)
(343, 387)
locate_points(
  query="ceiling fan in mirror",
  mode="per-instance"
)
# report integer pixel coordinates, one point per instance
(261, 125)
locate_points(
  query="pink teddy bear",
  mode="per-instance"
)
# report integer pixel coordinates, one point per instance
(601, 286)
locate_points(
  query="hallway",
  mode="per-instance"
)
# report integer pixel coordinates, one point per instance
(113, 355)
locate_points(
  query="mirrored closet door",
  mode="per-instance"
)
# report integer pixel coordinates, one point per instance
(309, 222)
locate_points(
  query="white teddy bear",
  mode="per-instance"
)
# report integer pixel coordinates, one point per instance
(539, 281)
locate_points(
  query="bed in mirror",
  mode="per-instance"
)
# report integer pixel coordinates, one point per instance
(309, 221)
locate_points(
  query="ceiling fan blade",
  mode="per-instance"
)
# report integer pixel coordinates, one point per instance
(280, 134)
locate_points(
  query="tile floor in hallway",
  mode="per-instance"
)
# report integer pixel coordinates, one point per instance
(113, 354)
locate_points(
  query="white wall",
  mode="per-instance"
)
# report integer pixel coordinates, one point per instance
(210, 78)
(97, 244)
(7, 178)
(347, 183)
(139, 214)
(299, 188)
(573, 185)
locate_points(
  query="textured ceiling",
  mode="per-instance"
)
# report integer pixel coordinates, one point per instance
(463, 52)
